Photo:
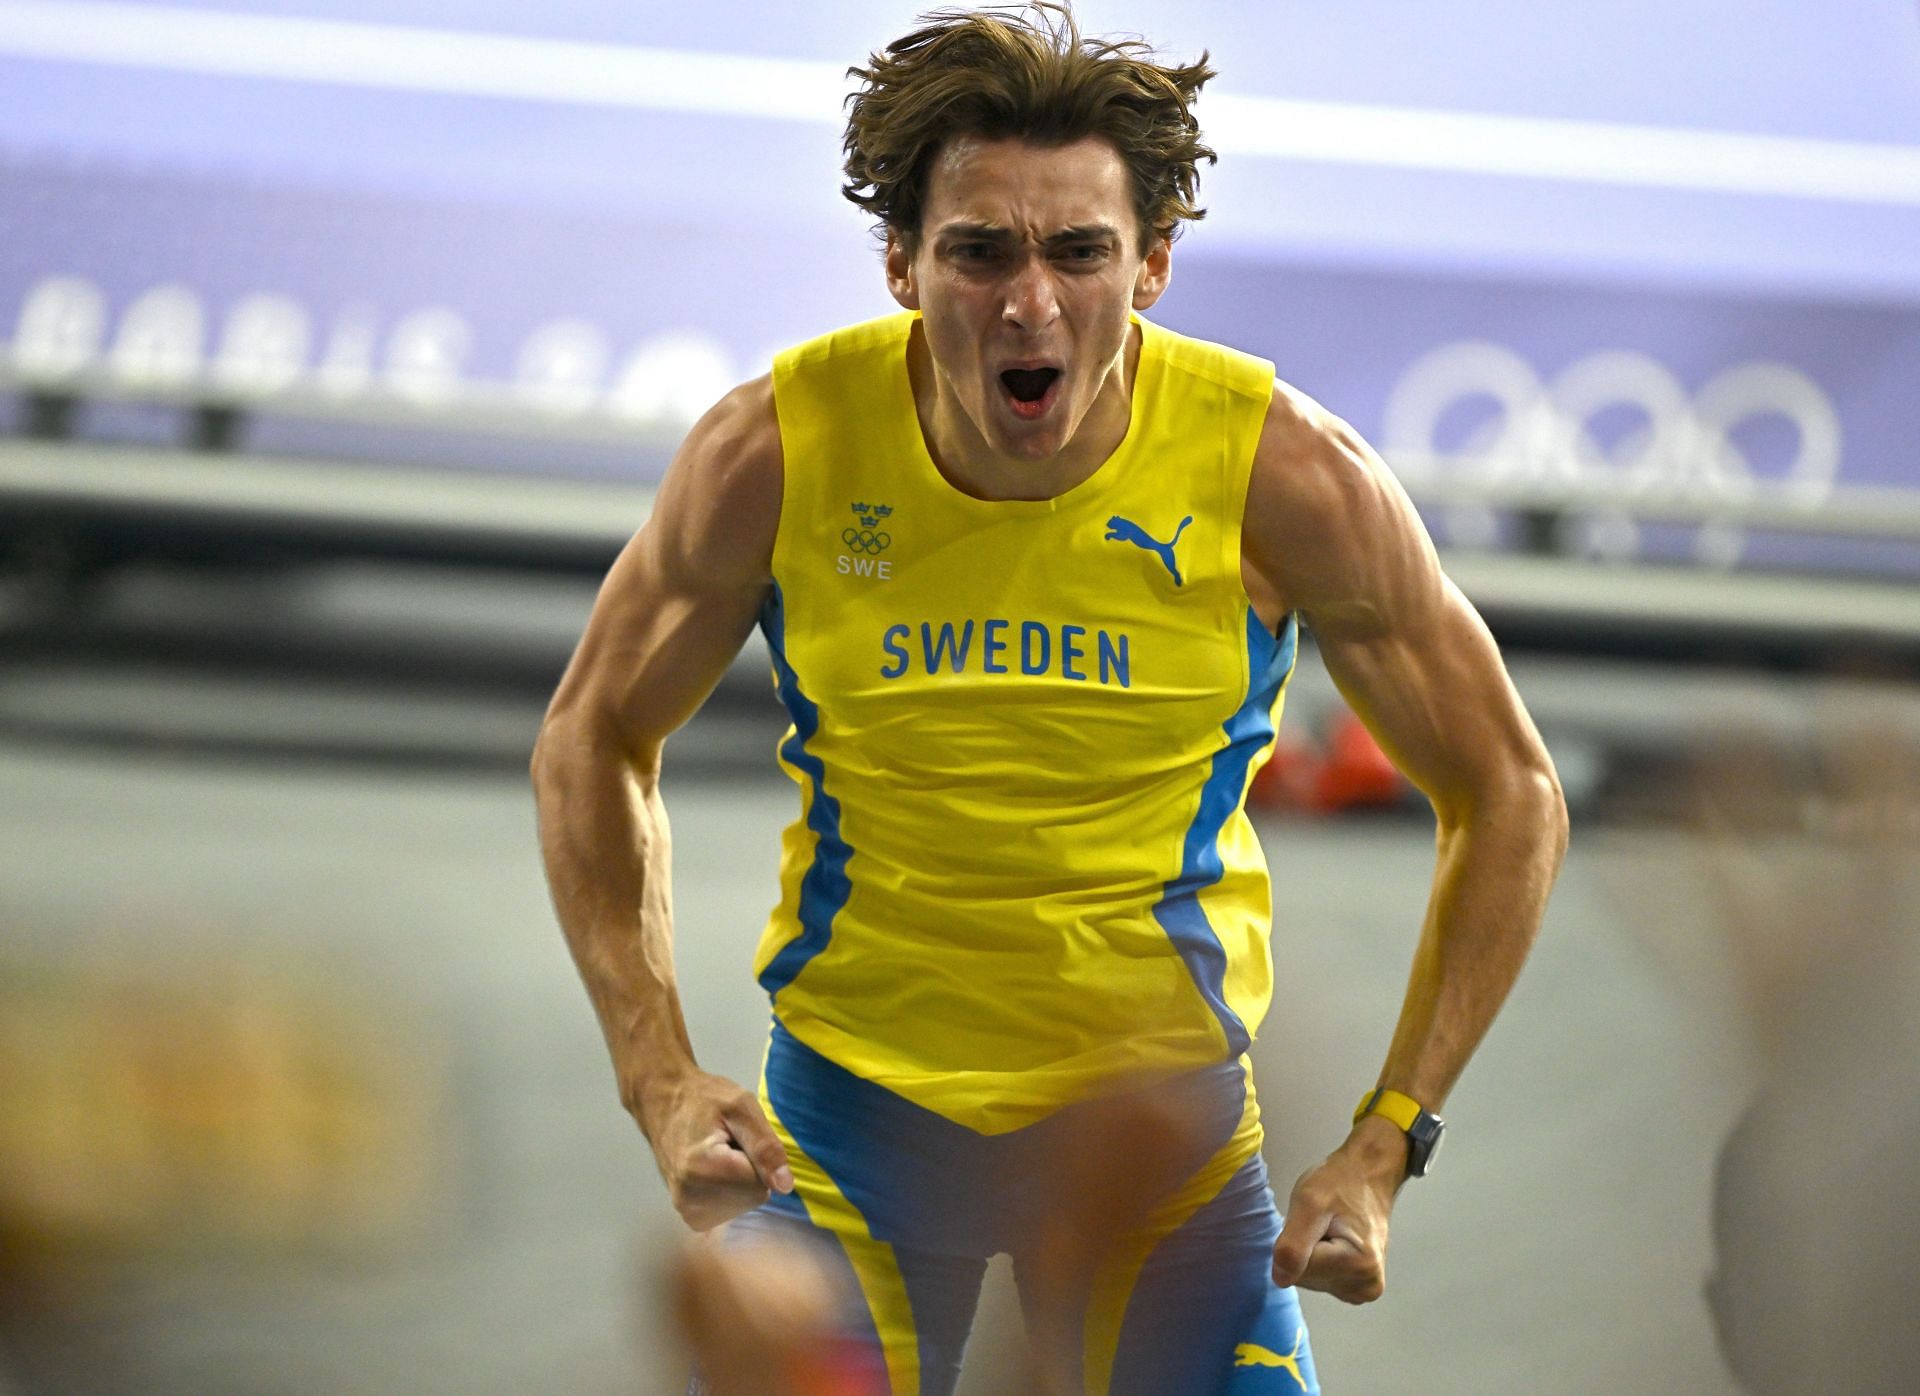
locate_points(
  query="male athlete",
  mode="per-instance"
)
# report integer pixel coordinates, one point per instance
(1031, 570)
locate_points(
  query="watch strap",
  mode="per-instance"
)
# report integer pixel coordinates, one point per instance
(1422, 1128)
(1403, 1110)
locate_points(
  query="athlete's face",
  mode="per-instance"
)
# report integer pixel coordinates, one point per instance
(1028, 265)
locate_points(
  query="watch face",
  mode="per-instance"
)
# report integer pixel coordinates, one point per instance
(1425, 1136)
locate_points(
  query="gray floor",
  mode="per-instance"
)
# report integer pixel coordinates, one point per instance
(1560, 1249)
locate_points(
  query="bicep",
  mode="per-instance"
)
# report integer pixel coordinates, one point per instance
(1429, 683)
(655, 646)
(685, 592)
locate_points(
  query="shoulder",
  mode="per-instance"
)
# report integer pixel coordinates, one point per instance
(1309, 459)
(1323, 508)
(719, 504)
(736, 441)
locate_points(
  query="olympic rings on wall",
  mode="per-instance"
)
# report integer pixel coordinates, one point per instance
(1543, 435)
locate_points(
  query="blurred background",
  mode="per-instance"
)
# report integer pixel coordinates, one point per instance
(341, 346)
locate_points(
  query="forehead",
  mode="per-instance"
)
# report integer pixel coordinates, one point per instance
(1017, 184)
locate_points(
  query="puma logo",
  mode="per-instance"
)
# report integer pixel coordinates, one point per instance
(1253, 1355)
(1121, 530)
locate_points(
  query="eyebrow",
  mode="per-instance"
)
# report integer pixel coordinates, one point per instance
(991, 232)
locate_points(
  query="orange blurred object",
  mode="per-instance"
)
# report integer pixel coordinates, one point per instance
(1291, 776)
(1356, 773)
(1351, 773)
(207, 1102)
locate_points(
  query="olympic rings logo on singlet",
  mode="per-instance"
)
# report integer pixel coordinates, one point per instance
(862, 540)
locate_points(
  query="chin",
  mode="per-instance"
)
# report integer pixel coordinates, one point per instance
(1037, 445)
(1035, 449)
(1034, 441)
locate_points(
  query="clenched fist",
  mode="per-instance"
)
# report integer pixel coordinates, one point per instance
(1335, 1237)
(715, 1149)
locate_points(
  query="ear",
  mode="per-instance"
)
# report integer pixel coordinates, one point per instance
(900, 278)
(1155, 272)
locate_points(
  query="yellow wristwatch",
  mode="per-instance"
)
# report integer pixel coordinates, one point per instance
(1423, 1128)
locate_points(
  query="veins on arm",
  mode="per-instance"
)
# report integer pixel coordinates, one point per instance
(672, 613)
(1329, 533)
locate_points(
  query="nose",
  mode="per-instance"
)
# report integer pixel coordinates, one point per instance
(1031, 303)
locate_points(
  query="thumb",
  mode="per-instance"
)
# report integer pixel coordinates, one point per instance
(1303, 1231)
(756, 1139)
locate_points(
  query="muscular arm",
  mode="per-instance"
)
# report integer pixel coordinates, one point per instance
(673, 612)
(1330, 534)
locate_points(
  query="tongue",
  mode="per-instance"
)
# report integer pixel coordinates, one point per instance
(1029, 384)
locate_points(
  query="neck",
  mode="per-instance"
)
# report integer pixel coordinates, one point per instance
(973, 467)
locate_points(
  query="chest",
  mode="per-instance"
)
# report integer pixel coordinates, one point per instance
(1097, 631)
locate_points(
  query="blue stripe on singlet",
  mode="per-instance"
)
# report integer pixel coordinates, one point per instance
(1269, 661)
(825, 887)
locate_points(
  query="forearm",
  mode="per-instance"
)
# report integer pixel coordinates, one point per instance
(1497, 859)
(606, 844)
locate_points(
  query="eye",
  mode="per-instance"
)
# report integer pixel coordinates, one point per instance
(1086, 253)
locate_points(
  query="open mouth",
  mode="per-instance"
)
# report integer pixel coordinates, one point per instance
(1030, 389)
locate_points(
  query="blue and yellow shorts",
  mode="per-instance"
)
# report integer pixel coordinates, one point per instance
(1141, 1229)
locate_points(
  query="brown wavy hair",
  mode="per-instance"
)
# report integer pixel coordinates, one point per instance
(1027, 72)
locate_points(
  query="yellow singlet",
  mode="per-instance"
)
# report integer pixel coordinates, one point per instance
(1023, 733)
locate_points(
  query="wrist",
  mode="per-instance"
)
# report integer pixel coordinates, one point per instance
(650, 1099)
(1419, 1127)
(1380, 1147)
(650, 1090)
